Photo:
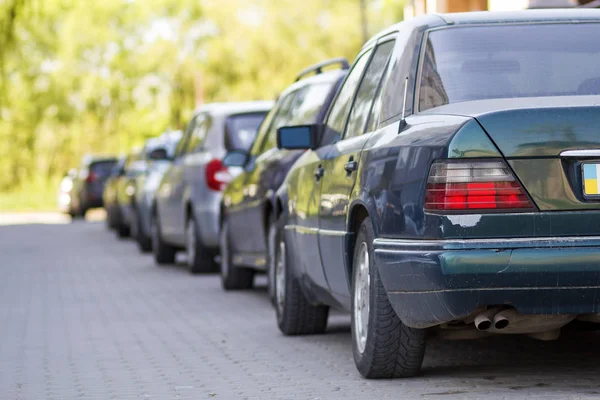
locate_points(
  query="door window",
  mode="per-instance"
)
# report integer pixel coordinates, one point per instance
(367, 90)
(338, 114)
(180, 150)
(198, 133)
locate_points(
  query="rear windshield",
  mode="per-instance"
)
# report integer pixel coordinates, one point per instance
(241, 130)
(102, 168)
(494, 62)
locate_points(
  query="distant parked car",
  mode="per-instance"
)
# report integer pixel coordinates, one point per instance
(109, 195)
(186, 212)
(453, 189)
(88, 186)
(65, 190)
(134, 166)
(248, 223)
(160, 153)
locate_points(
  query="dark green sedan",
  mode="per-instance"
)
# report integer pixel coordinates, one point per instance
(453, 188)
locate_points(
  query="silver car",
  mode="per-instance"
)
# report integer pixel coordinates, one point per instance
(186, 209)
(147, 184)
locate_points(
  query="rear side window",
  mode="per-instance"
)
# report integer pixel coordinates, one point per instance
(240, 130)
(102, 168)
(308, 103)
(493, 62)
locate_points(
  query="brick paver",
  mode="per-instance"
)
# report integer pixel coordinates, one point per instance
(85, 316)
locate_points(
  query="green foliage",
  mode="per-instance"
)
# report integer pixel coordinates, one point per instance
(92, 76)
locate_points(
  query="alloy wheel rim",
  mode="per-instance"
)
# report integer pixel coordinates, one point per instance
(191, 243)
(280, 276)
(361, 298)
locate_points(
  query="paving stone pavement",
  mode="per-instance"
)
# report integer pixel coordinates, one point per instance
(85, 316)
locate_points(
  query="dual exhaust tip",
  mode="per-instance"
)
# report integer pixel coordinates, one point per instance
(494, 318)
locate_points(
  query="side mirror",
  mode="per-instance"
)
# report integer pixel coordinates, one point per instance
(236, 158)
(299, 137)
(158, 154)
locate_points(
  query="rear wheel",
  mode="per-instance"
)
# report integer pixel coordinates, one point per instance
(163, 252)
(199, 258)
(232, 277)
(295, 315)
(383, 346)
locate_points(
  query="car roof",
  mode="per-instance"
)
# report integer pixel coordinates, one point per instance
(324, 77)
(492, 17)
(230, 108)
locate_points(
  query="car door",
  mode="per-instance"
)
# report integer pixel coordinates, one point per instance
(193, 178)
(308, 178)
(247, 226)
(349, 115)
(170, 193)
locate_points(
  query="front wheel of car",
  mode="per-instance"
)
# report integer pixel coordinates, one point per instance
(232, 277)
(295, 314)
(163, 252)
(142, 239)
(272, 243)
(199, 259)
(383, 346)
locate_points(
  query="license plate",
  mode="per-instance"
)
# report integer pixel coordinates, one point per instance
(591, 178)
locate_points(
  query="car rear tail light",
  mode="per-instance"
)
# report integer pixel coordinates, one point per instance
(217, 175)
(474, 185)
(91, 177)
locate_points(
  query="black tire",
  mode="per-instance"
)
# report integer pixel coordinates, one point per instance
(122, 231)
(200, 259)
(273, 234)
(144, 241)
(295, 314)
(391, 349)
(232, 277)
(163, 252)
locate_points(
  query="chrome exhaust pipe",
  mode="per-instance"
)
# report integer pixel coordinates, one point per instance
(484, 321)
(505, 317)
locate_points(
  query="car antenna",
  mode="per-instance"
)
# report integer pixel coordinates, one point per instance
(403, 119)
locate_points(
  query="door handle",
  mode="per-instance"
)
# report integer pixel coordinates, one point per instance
(319, 172)
(350, 166)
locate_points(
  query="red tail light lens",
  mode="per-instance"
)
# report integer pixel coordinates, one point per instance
(471, 186)
(92, 177)
(217, 175)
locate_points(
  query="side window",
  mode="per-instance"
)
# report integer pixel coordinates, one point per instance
(198, 133)
(367, 90)
(341, 105)
(269, 140)
(182, 144)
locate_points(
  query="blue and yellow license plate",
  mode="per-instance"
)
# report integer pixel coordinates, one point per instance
(591, 177)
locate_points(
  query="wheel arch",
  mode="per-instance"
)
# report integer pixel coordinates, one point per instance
(358, 213)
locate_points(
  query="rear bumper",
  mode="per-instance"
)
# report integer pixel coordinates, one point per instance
(437, 281)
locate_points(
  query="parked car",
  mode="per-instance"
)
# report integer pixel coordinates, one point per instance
(65, 190)
(186, 210)
(109, 194)
(452, 189)
(89, 183)
(248, 227)
(134, 166)
(160, 153)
